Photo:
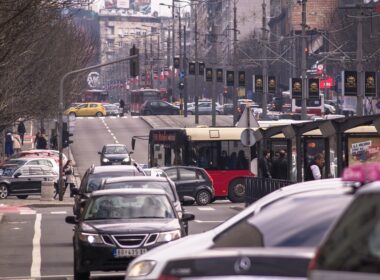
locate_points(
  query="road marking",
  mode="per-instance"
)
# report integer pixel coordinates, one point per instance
(135, 117)
(205, 208)
(58, 212)
(116, 142)
(27, 212)
(35, 270)
(203, 222)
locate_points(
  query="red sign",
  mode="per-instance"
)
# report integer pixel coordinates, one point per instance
(326, 83)
(377, 8)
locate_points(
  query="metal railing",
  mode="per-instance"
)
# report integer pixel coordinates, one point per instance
(256, 188)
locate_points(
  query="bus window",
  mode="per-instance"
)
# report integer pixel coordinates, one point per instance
(309, 102)
(167, 155)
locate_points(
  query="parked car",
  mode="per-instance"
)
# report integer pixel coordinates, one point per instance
(50, 162)
(87, 109)
(24, 180)
(40, 153)
(112, 154)
(111, 109)
(93, 178)
(307, 227)
(192, 181)
(242, 263)
(351, 250)
(228, 109)
(205, 108)
(158, 108)
(118, 225)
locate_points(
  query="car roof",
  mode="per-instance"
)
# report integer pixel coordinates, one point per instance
(128, 191)
(112, 168)
(135, 179)
(110, 145)
(29, 158)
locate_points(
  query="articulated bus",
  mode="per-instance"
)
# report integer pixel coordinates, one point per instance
(139, 96)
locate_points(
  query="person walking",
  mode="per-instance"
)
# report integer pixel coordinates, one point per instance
(314, 169)
(41, 140)
(16, 142)
(280, 167)
(8, 144)
(68, 171)
(21, 131)
(121, 107)
(265, 165)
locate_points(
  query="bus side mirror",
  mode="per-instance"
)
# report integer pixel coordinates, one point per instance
(133, 143)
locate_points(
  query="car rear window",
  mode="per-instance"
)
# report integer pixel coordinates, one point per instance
(291, 222)
(354, 243)
(94, 180)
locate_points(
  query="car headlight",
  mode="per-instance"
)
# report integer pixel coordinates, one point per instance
(91, 238)
(142, 268)
(126, 159)
(106, 160)
(169, 236)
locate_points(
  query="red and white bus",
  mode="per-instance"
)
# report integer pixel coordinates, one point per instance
(313, 106)
(139, 96)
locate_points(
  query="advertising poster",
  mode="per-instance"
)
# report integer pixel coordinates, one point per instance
(363, 149)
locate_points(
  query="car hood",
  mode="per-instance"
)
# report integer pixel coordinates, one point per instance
(116, 156)
(132, 225)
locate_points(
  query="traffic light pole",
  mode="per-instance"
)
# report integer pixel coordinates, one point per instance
(60, 113)
(304, 66)
(234, 96)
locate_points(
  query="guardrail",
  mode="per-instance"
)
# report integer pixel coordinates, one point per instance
(256, 188)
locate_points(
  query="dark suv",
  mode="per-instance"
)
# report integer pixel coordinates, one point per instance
(192, 181)
(21, 181)
(93, 178)
(158, 107)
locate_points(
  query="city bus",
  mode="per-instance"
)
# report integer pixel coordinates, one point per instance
(313, 106)
(139, 96)
(218, 150)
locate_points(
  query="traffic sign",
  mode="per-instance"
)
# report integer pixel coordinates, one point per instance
(247, 137)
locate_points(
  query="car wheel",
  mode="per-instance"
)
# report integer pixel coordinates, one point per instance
(203, 197)
(22, 196)
(3, 191)
(99, 114)
(78, 275)
(236, 190)
(72, 114)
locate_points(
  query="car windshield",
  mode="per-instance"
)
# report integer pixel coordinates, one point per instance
(136, 206)
(7, 170)
(116, 150)
(311, 216)
(143, 185)
(95, 180)
(17, 161)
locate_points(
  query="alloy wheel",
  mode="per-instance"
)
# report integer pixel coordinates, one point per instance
(3, 191)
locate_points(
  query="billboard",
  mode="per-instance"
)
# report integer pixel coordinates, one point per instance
(363, 149)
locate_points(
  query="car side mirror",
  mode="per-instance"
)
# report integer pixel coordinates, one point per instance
(71, 220)
(187, 200)
(18, 174)
(75, 191)
(188, 217)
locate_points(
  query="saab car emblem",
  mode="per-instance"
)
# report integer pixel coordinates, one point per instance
(242, 265)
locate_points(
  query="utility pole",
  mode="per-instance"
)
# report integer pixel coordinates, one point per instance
(180, 58)
(185, 94)
(265, 62)
(234, 96)
(304, 66)
(196, 94)
(173, 50)
(213, 90)
(359, 64)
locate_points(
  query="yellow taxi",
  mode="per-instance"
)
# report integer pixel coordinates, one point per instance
(87, 109)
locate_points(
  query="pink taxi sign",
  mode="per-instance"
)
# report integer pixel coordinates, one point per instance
(362, 173)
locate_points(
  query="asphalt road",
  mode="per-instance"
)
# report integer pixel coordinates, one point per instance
(36, 242)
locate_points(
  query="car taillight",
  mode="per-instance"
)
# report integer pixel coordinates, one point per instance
(313, 262)
(168, 277)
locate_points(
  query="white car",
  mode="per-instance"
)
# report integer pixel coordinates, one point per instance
(36, 161)
(151, 264)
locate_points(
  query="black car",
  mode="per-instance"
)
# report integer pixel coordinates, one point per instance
(118, 225)
(158, 107)
(278, 263)
(228, 109)
(93, 178)
(21, 181)
(192, 181)
(115, 154)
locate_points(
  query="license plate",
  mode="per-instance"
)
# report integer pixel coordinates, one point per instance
(116, 163)
(120, 253)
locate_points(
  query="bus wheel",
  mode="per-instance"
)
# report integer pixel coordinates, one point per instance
(236, 190)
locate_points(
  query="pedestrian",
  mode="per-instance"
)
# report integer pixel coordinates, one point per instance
(41, 140)
(121, 107)
(265, 165)
(314, 169)
(53, 141)
(21, 131)
(68, 171)
(280, 166)
(16, 142)
(8, 144)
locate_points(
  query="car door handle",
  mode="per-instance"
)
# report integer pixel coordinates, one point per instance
(29, 179)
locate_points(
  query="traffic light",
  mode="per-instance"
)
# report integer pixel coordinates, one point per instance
(66, 136)
(176, 62)
(134, 62)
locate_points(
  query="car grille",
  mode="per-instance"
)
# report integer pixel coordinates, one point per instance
(130, 240)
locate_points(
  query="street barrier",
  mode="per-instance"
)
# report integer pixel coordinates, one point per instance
(256, 188)
(47, 190)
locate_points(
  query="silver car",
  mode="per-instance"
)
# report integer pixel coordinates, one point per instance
(205, 108)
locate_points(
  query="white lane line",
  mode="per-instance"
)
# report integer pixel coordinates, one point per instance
(113, 135)
(116, 142)
(205, 209)
(35, 270)
(58, 212)
(27, 212)
(205, 222)
(135, 117)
